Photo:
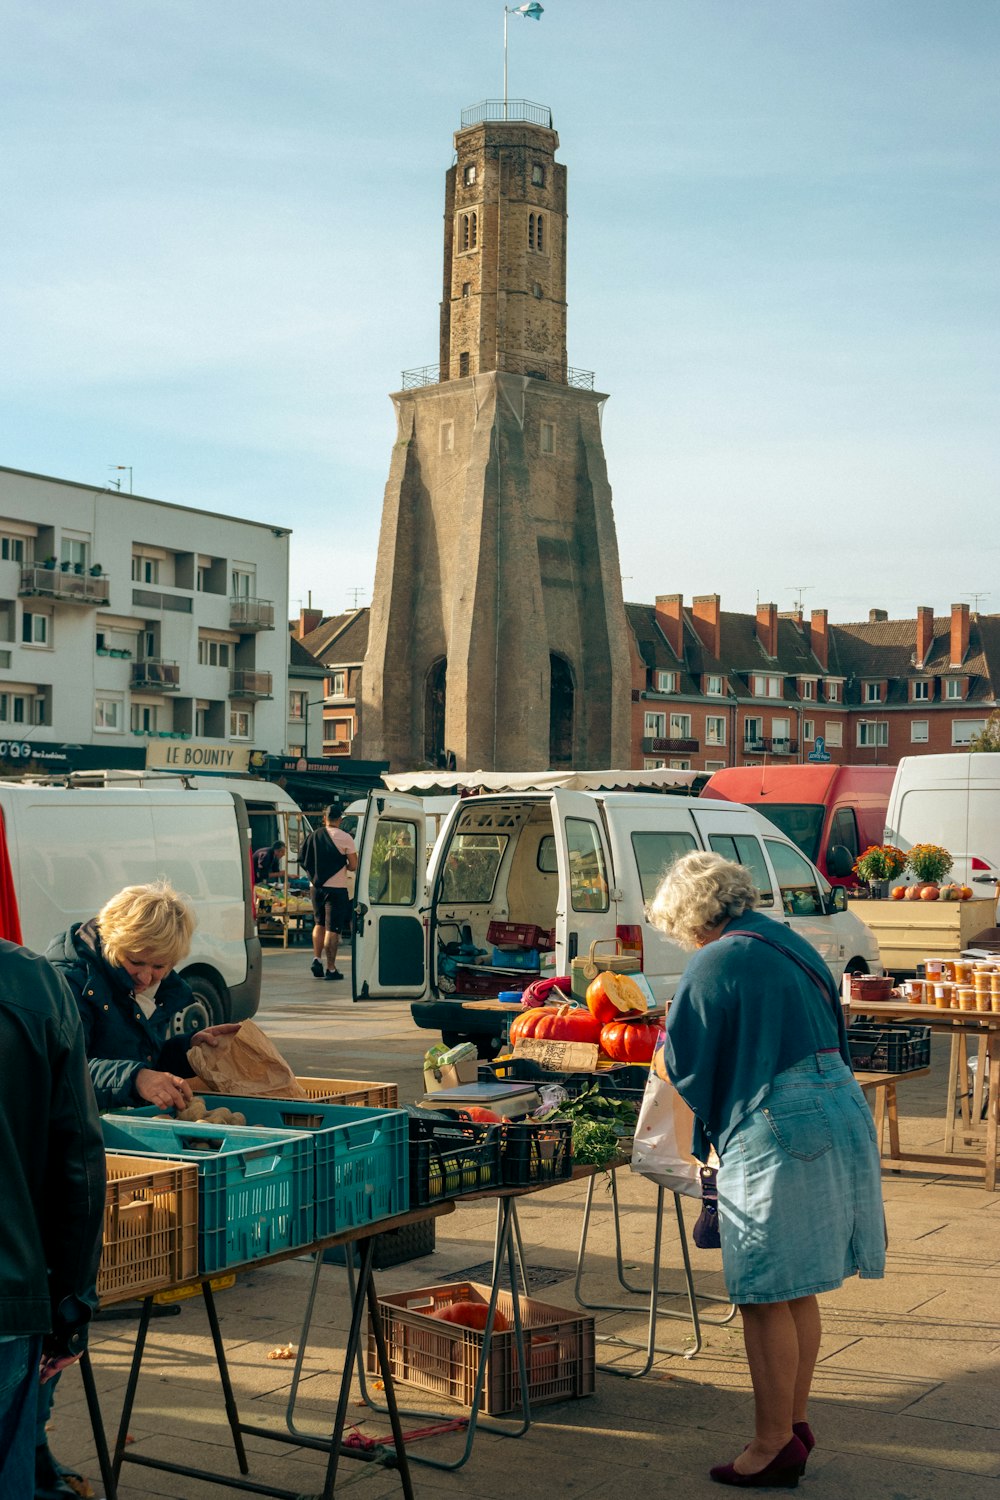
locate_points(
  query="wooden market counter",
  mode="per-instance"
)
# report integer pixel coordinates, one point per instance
(910, 931)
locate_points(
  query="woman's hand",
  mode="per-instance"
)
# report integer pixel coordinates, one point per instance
(162, 1089)
(213, 1034)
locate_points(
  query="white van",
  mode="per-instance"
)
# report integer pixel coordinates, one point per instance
(952, 800)
(584, 863)
(72, 847)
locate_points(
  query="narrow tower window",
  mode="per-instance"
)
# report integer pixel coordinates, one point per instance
(463, 363)
(531, 231)
(539, 223)
(469, 175)
(475, 229)
(537, 175)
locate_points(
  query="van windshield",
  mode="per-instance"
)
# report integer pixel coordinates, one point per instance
(801, 821)
(470, 870)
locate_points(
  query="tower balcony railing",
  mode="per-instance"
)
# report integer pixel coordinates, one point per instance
(510, 364)
(507, 109)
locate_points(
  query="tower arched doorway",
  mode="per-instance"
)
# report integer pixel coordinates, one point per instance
(435, 697)
(562, 696)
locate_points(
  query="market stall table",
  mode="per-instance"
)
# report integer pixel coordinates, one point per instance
(960, 1025)
(362, 1294)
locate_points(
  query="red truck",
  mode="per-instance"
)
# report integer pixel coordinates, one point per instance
(833, 813)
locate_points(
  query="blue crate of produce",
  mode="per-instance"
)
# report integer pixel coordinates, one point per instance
(361, 1155)
(514, 958)
(255, 1187)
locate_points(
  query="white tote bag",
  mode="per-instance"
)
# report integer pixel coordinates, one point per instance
(662, 1146)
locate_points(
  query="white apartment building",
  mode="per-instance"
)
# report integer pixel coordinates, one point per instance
(130, 628)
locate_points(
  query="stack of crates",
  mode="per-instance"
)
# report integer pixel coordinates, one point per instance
(517, 945)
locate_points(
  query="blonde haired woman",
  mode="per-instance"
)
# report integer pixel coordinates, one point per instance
(756, 1045)
(120, 966)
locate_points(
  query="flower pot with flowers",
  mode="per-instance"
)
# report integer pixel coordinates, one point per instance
(879, 864)
(928, 863)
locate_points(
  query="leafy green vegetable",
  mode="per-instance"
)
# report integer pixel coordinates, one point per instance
(595, 1142)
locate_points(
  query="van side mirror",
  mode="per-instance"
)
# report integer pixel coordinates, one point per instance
(839, 862)
(836, 900)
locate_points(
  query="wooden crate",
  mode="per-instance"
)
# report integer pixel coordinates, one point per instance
(910, 931)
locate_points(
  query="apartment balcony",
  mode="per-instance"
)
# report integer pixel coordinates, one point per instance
(670, 747)
(770, 746)
(250, 614)
(155, 675)
(244, 684)
(40, 582)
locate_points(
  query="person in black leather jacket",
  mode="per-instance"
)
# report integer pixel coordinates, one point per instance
(120, 969)
(52, 1172)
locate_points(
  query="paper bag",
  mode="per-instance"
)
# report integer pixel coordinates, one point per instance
(662, 1147)
(246, 1063)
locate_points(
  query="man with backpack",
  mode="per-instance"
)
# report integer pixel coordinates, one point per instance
(326, 856)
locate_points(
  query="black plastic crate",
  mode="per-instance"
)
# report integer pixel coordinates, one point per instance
(536, 1151)
(393, 1247)
(447, 1160)
(879, 1051)
(920, 1043)
(625, 1080)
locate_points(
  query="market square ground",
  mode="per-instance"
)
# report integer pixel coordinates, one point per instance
(905, 1398)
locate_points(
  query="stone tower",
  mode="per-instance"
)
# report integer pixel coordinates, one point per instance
(497, 632)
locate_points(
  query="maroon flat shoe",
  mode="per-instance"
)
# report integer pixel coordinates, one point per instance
(783, 1472)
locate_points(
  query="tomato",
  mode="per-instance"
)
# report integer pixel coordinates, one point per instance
(612, 996)
(556, 1023)
(471, 1315)
(629, 1041)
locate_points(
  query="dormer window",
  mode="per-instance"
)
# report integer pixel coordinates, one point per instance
(921, 692)
(808, 686)
(832, 691)
(666, 682)
(713, 687)
(767, 687)
(873, 692)
(953, 688)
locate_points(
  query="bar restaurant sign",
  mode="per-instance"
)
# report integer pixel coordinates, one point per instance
(192, 756)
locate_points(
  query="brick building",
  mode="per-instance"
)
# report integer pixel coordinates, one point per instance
(339, 643)
(712, 688)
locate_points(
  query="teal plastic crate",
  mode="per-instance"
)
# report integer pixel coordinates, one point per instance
(362, 1166)
(255, 1187)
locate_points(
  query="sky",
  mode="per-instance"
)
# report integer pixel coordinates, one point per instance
(221, 244)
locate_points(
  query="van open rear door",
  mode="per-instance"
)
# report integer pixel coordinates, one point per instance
(389, 928)
(585, 911)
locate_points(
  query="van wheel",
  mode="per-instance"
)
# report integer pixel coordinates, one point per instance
(855, 966)
(207, 1009)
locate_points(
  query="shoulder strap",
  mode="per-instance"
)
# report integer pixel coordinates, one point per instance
(825, 990)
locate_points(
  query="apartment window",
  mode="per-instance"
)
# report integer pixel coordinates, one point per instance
(240, 724)
(964, 730)
(713, 687)
(655, 726)
(781, 738)
(17, 708)
(35, 629)
(463, 363)
(767, 687)
(446, 441)
(548, 437)
(145, 718)
(73, 552)
(109, 714)
(666, 682)
(537, 174)
(832, 692)
(834, 734)
(145, 569)
(680, 765)
(921, 692)
(213, 653)
(201, 578)
(715, 730)
(953, 688)
(649, 764)
(808, 730)
(873, 692)
(715, 765)
(680, 726)
(6, 620)
(338, 685)
(808, 689)
(244, 583)
(296, 705)
(469, 173)
(873, 732)
(920, 731)
(15, 549)
(753, 731)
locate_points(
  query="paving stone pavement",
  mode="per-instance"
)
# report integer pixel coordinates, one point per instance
(905, 1400)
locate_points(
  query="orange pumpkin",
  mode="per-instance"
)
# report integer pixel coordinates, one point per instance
(613, 997)
(556, 1023)
(629, 1041)
(898, 892)
(929, 893)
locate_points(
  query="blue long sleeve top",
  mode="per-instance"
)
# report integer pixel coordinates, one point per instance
(745, 1011)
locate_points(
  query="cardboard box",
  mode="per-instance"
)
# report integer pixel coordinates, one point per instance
(450, 1077)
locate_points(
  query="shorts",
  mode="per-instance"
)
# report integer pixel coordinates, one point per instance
(331, 907)
(800, 1192)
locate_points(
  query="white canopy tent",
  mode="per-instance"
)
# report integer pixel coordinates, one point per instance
(457, 782)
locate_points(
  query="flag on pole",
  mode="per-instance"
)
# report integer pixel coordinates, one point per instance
(530, 12)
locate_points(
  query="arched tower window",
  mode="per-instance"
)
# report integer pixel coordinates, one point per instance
(470, 231)
(434, 706)
(539, 231)
(561, 711)
(531, 231)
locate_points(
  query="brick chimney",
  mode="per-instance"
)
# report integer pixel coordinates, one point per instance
(877, 616)
(309, 620)
(767, 628)
(959, 634)
(819, 637)
(707, 621)
(925, 633)
(670, 618)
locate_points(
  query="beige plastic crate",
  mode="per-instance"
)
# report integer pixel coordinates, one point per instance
(443, 1357)
(150, 1225)
(351, 1091)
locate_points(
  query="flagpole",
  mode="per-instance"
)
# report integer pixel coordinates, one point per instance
(505, 62)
